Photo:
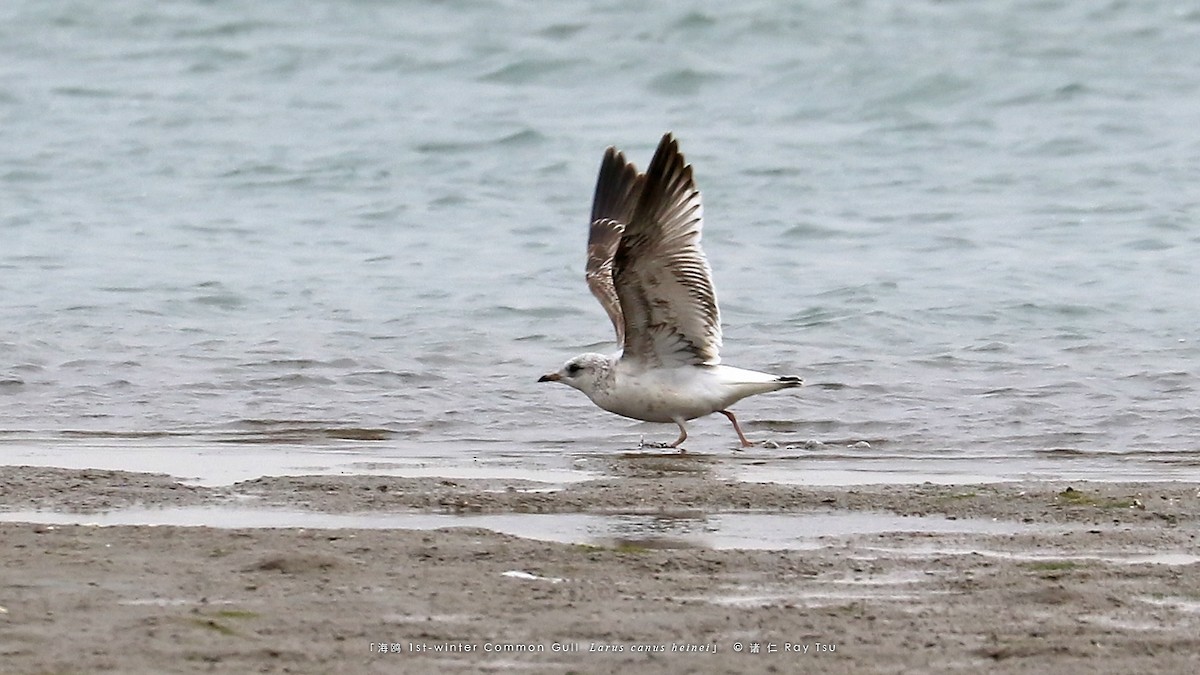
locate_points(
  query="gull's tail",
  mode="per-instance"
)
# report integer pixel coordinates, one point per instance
(787, 381)
(742, 383)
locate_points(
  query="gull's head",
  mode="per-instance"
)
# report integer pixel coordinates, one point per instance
(584, 372)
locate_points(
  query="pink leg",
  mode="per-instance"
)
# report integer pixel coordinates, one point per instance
(737, 428)
(682, 436)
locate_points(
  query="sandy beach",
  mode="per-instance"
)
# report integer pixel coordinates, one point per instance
(1010, 577)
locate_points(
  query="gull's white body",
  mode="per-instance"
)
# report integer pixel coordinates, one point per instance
(671, 394)
(646, 268)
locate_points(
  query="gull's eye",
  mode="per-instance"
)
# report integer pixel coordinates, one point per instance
(574, 369)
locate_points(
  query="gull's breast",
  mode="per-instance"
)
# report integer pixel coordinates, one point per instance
(661, 394)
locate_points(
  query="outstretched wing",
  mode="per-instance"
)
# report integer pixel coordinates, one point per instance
(660, 274)
(617, 190)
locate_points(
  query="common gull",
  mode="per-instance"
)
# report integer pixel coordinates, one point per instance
(646, 267)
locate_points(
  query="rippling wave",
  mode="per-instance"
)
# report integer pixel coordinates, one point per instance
(967, 226)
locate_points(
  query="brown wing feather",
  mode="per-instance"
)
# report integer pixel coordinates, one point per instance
(660, 273)
(617, 190)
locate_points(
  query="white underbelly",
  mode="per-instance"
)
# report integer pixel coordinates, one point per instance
(661, 399)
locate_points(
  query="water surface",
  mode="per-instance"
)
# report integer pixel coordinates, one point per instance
(268, 235)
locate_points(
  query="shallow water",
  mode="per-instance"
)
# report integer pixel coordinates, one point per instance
(270, 236)
(724, 530)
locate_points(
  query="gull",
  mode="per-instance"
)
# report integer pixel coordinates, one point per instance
(646, 267)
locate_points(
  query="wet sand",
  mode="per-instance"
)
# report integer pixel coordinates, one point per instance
(1011, 577)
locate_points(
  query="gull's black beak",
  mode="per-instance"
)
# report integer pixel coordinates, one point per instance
(552, 377)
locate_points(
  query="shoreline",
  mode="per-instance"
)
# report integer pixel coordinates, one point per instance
(1068, 577)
